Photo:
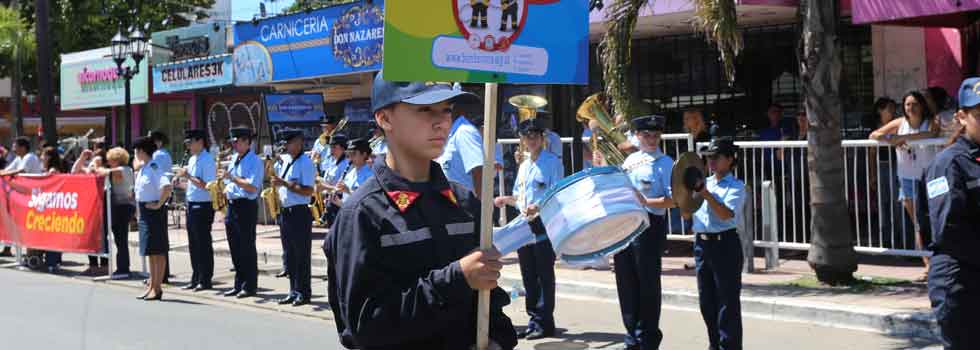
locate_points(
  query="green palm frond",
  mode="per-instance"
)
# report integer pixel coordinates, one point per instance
(615, 51)
(718, 21)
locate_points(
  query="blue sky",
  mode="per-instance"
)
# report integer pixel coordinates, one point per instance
(242, 10)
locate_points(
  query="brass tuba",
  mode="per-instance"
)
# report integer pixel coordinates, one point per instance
(607, 137)
(527, 108)
(270, 195)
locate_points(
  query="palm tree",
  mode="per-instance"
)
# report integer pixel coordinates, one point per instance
(16, 42)
(831, 254)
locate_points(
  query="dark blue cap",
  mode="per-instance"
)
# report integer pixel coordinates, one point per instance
(240, 131)
(191, 135)
(529, 126)
(386, 93)
(970, 92)
(338, 139)
(720, 145)
(289, 134)
(360, 144)
(649, 122)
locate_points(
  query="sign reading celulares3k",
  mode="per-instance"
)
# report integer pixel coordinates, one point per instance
(334, 40)
(192, 57)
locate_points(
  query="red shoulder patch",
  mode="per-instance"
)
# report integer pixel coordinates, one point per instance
(448, 193)
(403, 199)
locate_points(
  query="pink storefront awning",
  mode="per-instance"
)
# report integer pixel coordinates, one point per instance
(920, 13)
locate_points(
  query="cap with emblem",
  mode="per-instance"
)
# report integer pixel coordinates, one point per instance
(330, 119)
(529, 126)
(191, 135)
(649, 122)
(238, 132)
(721, 145)
(360, 144)
(146, 144)
(970, 93)
(338, 139)
(386, 93)
(289, 134)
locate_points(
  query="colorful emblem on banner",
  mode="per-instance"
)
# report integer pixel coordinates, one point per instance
(358, 36)
(403, 199)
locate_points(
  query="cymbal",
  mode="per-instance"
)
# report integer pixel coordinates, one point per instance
(688, 170)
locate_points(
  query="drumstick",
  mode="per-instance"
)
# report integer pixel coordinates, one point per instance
(486, 208)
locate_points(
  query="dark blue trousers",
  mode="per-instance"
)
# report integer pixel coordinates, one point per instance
(200, 216)
(719, 271)
(297, 228)
(240, 226)
(285, 248)
(538, 274)
(954, 291)
(638, 270)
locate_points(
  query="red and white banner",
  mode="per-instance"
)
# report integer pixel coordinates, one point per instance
(56, 212)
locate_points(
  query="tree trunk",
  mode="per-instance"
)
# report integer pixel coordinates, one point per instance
(831, 254)
(15, 84)
(43, 35)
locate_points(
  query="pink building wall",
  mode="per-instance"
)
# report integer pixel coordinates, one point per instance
(944, 58)
(868, 11)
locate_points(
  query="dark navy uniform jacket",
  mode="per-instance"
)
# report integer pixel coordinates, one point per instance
(395, 282)
(952, 189)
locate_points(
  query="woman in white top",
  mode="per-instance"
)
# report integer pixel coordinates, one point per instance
(123, 205)
(917, 124)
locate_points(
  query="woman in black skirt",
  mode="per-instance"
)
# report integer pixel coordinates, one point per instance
(152, 189)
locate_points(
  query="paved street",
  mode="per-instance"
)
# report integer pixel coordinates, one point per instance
(64, 313)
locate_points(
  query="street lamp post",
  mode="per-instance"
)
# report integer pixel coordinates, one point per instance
(124, 47)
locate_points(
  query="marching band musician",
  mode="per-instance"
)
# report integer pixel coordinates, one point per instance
(243, 182)
(638, 267)
(152, 189)
(717, 248)
(200, 170)
(321, 147)
(379, 146)
(294, 182)
(334, 173)
(403, 272)
(358, 151)
(535, 176)
(462, 160)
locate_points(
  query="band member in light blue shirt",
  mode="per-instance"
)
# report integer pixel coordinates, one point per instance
(462, 159)
(243, 182)
(321, 147)
(152, 189)
(200, 170)
(536, 175)
(294, 181)
(162, 156)
(717, 248)
(638, 267)
(358, 151)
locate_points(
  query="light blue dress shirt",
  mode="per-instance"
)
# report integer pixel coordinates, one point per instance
(163, 159)
(379, 151)
(335, 173)
(355, 178)
(201, 166)
(150, 181)
(463, 152)
(251, 169)
(324, 151)
(650, 174)
(730, 191)
(302, 172)
(534, 178)
(554, 143)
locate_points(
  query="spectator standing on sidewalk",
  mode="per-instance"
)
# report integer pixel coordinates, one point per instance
(123, 205)
(22, 161)
(953, 200)
(917, 124)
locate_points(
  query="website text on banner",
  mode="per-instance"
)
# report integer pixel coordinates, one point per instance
(57, 212)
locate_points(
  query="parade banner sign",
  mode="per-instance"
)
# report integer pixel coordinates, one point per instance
(57, 212)
(94, 82)
(194, 41)
(487, 41)
(193, 74)
(334, 40)
(295, 111)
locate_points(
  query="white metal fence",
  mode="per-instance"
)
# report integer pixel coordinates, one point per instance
(879, 222)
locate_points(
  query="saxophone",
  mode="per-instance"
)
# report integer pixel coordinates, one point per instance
(270, 195)
(216, 188)
(317, 207)
(608, 135)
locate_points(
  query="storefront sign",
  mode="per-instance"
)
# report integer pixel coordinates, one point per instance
(333, 40)
(295, 111)
(58, 212)
(195, 41)
(513, 41)
(93, 81)
(358, 110)
(193, 74)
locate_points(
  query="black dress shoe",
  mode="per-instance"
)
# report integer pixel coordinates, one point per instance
(282, 274)
(246, 294)
(202, 288)
(523, 334)
(287, 300)
(159, 296)
(539, 334)
(190, 286)
(232, 292)
(300, 301)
